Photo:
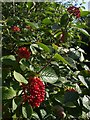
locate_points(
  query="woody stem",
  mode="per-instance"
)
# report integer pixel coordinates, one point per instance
(45, 65)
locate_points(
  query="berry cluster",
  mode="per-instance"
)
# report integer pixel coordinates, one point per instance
(15, 29)
(34, 92)
(23, 53)
(74, 11)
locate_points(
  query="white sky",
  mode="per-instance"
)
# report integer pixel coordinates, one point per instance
(78, 1)
(86, 3)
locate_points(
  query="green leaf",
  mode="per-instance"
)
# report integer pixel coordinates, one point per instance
(57, 34)
(16, 102)
(46, 21)
(64, 19)
(70, 97)
(33, 48)
(81, 78)
(86, 102)
(10, 61)
(55, 46)
(35, 116)
(71, 61)
(29, 4)
(49, 75)
(85, 73)
(8, 93)
(43, 113)
(84, 13)
(32, 24)
(27, 110)
(59, 57)
(83, 31)
(19, 77)
(44, 47)
(11, 57)
(14, 105)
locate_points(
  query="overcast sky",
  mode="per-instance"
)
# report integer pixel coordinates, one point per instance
(78, 1)
(86, 3)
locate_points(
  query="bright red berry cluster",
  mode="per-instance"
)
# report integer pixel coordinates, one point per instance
(15, 29)
(74, 11)
(23, 53)
(34, 92)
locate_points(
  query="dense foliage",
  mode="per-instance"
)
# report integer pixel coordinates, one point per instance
(45, 61)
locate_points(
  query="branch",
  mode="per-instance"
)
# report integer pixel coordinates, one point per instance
(45, 65)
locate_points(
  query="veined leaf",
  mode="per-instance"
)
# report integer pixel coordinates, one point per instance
(49, 75)
(8, 93)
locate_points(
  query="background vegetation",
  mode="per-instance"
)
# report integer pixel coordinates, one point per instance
(59, 46)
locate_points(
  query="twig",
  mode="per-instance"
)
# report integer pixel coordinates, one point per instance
(45, 65)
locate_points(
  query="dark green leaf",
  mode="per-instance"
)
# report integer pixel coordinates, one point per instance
(10, 60)
(19, 77)
(71, 61)
(8, 93)
(16, 102)
(27, 110)
(83, 31)
(55, 27)
(85, 73)
(64, 19)
(70, 97)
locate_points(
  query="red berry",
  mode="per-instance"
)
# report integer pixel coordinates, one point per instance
(34, 92)
(74, 11)
(23, 53)
(15, 29)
